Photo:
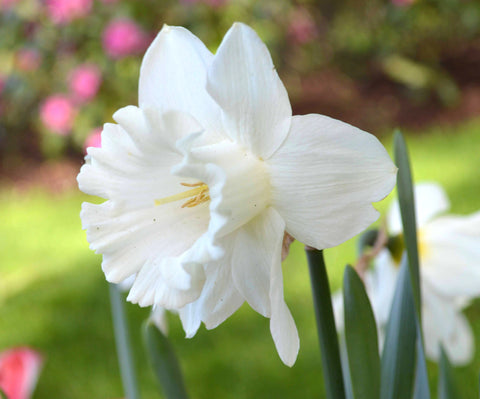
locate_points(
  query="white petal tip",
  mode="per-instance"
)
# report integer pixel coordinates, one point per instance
(290, 358)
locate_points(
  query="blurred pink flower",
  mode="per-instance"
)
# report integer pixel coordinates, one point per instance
(85, 81)
(302, 28)
(28, 59)
(94, 139)
(123, 37)
(7, 4)
(19, 369)
(65, 11)
(57, 113)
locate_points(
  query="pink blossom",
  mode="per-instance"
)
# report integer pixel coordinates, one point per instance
(94, 139)
(28, 59)
(7, 4)
(64, 11)
(85, 81)
(19, 369)
(302, 27)
(123, 37)
(57, 114)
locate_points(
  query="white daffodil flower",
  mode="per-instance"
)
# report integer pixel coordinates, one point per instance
(449, 252)
(203, 178)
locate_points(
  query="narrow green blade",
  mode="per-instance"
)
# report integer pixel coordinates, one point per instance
(122, 340)
(327, 333)
(398, 357)
(347, 379)
(422, 389)
(447, 388)
(407, 209)
(361, 338)
(164, 362)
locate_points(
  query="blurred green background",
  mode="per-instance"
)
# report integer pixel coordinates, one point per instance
(376, 64)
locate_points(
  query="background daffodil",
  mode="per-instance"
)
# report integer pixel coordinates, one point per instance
(449, 254)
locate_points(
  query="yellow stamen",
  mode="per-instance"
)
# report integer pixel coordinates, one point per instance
(193, 184)
(197, 195)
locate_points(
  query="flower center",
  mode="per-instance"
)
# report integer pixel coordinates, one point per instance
(196, 196)
(396, 245)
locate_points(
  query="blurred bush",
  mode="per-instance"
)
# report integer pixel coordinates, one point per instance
(67, 65)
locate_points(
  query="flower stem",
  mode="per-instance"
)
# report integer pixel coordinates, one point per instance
(327, 333)
(122, 340)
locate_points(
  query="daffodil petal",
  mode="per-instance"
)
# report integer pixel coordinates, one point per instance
(132, 168)
(338, 310)
(243, 81)
(257, 273)
(253, 255)
(167, 282)
(325, 177)
(450, 255)
(151, 130)
(173, 77)
(222, 298)
(282, 325)
(219, 298)
(381, 282)
(443, 323)
(127, 239)
(430, 200)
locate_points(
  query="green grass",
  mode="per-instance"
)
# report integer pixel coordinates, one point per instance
(53, 297)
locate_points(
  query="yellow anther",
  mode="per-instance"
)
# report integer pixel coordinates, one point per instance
(196, 195)
(193, 184)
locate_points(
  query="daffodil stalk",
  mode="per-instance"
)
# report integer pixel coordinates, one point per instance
(122, 340)
(327, 333)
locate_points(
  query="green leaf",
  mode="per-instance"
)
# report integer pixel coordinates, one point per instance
(422, 389)
(122, 340)
(407, 210)
(398, 357)
(347, 380)
(164, 362)
(327, 333)
(447, 388)
(361, 338)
